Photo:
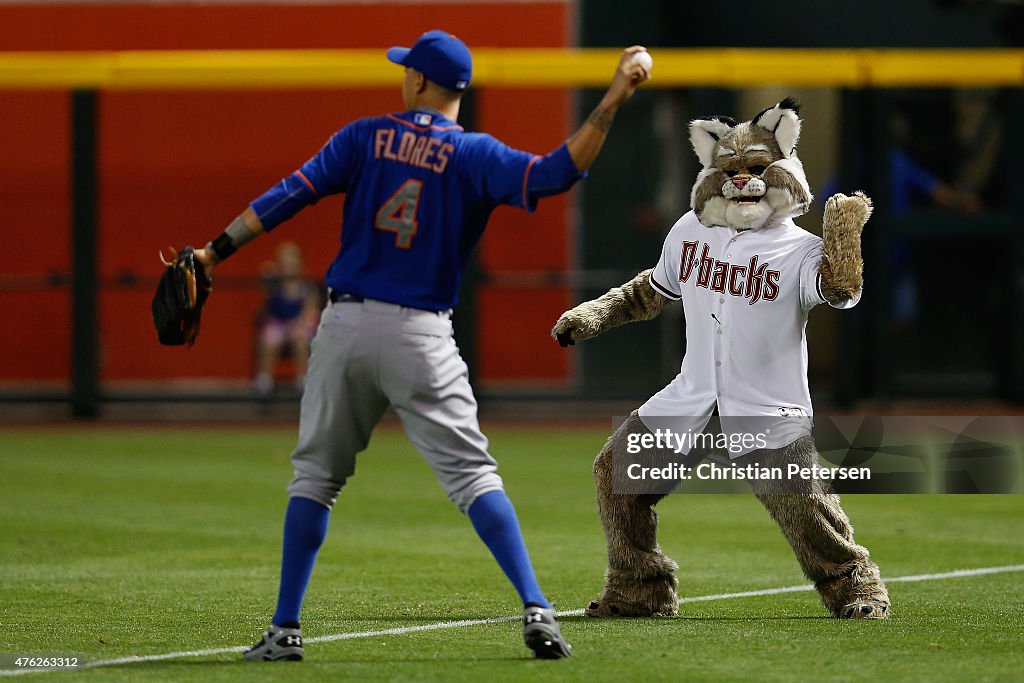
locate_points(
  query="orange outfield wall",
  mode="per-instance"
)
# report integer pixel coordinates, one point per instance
(175, 167)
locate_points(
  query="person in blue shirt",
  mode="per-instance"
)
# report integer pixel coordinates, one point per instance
(419, 191)
(910, 184)
(289, 317)
(911, 187)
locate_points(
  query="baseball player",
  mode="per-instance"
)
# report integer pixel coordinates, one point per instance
(419, 192)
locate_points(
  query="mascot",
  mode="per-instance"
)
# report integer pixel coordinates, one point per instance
(747, 277)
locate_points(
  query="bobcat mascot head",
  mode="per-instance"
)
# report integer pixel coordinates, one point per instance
(751, 177)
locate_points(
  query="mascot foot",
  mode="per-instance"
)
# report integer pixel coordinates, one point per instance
(865, 610)
(858, 594)
(627, 596)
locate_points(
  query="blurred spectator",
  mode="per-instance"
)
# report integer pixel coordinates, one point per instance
(289, 318)
(912, 184)
(922, 133)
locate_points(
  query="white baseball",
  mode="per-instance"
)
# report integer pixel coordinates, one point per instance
(644, 59)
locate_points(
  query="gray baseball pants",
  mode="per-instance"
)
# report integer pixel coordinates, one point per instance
(367, 356)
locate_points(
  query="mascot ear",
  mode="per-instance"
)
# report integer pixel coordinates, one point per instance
(705, 133)
(784, 121)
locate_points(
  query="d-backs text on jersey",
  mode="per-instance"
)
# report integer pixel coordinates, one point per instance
(753, 281)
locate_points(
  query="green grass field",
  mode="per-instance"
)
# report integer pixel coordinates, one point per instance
(137, 542)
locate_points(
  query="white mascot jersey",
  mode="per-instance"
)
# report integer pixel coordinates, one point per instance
(746, 296)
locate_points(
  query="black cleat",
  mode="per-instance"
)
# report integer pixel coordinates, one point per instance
(542, 634)
(277, 644)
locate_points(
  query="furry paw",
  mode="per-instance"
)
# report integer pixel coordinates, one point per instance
(857, 593)
(866, 609)
(629, 594)
(609, 605)
(842, 212)
(603, 608)
(563, 331)
(576, 325)
(634, 300)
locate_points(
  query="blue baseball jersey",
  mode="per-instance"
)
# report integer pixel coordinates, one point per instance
(419, 191)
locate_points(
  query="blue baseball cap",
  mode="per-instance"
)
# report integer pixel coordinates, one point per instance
(440, 56)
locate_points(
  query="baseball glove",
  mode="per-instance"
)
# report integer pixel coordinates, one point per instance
(179, 299)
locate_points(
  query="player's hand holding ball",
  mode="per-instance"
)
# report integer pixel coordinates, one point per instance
(634, 68)
(644, 60)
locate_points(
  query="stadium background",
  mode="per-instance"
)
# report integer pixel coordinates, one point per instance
(156, 529)
(173, 163)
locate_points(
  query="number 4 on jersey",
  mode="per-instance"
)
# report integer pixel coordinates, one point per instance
(398, 214)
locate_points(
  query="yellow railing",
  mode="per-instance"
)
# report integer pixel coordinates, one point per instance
(511, 67)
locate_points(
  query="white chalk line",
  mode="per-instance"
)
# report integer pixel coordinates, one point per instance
(441, 625)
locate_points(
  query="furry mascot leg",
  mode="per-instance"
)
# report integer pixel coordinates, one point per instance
(640, 580)
(821, 536)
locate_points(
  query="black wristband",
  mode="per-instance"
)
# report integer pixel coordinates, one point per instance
(222, 247)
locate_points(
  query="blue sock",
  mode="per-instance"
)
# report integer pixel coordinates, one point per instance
(305, 526)
(495, 521)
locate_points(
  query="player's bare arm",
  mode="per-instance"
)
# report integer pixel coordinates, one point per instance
(637, 299)
(240, 232)
(842, 266)
(586, 143)
(633, 301)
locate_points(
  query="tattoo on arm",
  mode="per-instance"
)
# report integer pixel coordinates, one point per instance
(601, 118)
